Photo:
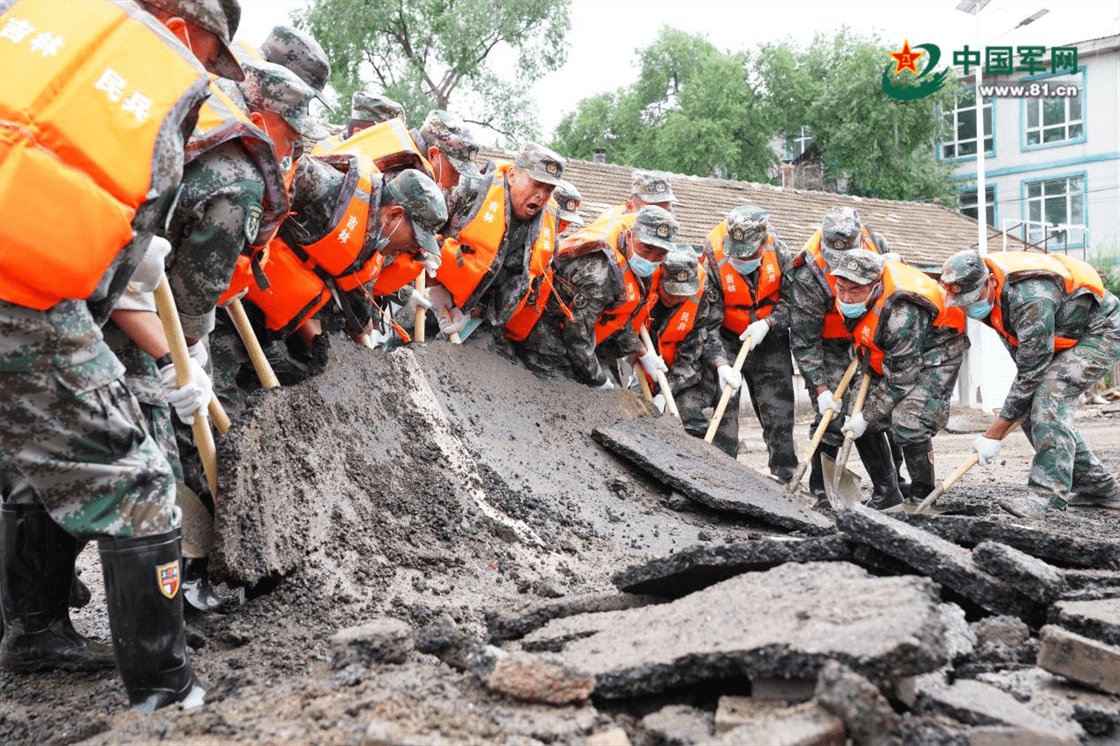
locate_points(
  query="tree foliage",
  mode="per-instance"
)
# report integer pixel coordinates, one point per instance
(430, 54)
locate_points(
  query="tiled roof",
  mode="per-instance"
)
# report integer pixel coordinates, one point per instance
(924, 234)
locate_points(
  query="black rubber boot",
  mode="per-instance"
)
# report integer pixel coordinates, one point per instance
(36, 571)
(897, 455)
(79, 591)
(875, 451)
(143, 578)
(919, 462)
(816, 472)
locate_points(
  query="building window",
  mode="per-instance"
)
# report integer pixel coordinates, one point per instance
(1056, 119)
(968, 203)
(961, 126)
(1056, 212)
(798, 143)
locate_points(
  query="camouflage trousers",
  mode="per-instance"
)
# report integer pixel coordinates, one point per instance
(1062, 459)
(924, 410)
(73, 432)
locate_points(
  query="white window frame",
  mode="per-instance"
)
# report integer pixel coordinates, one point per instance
(953, 120)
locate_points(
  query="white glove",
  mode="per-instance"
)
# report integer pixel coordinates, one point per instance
(199, 353)
(857, 424)
(417, 298)
(440, 298)
(651, 363)
(453, 322)
(756, 331)
(431, 263)
(190, 398)
(147, 274)
(986, 448)
(728, 376)
(659, 402)
(606, 385)
(825, 402)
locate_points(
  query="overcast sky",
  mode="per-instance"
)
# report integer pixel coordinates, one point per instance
(605, 33)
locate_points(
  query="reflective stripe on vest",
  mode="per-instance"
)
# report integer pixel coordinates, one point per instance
(907, 283)
(295, 292)
(605, 237)
(833, 320)
(680, 323)
(90, 95)
(389, 145)
(1077, 279)
(740, 308)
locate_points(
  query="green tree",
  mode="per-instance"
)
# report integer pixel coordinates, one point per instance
(434, 54)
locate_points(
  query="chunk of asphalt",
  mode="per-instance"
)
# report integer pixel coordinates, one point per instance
(935, 557)
(866, 713)
(1029, 575)
(510, 624)
(785, 622)
(1090, 662)
(706, 474)
(1099, 620)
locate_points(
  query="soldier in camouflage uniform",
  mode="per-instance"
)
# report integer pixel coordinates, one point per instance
(917, 347)
(646, 188)
(741, 268)
(299, 52)
(567, 199)
(367, 110)
(822, 348)
(1062, 327)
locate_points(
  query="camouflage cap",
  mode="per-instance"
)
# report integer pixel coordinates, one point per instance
(270, 87)
(221, 18)
(445, 132)
(567, 200)
(374, 109)
(299, 52)
(860, 266)
(540, 163)
(422, 200)
(963, 276)
(655, 226)
(653, 187)
(747, 228)
(680, 273)
(841, 229)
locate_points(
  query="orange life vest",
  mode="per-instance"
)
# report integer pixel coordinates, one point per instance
(468, 258)
(1076, 276)
(833, 320)
(295, 291)
(903, 282)
(403, 269)
(606, 237)
(389, 145)
(91, 97)
(680, 323)
(740, 307)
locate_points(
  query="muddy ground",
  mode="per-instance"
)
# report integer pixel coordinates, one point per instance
(395, 509)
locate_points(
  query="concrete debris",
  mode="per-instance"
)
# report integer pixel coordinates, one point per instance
(1064, 549)
(743, 720)
(707, 475)
(703, 565)
(1086, 661)
(781, 689)
(530, 678)
(1003, 630)
(960, 639)
(1099, 620)
(935, 557)
(867, 715)
(1057, 698)
(1104, 581)
(678, 725)
(612, 737)
(1030, 576)
(377, 641)
(509, 624)
(1014, 735)
(788, 621)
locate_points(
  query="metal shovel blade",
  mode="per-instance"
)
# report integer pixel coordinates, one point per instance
(847, 489)
(198, 524)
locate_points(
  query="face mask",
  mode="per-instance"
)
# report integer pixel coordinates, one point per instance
(979, 310)
(745, 266)
(642, 267)
(851, 310)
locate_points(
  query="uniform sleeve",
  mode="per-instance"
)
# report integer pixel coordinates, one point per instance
(808, 304)
(590, 279)
(1032, 307)
(902, 339)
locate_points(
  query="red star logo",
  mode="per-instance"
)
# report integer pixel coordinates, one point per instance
(906, 59)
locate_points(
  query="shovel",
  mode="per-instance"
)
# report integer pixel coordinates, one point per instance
(839, 486)
(264, 370)
(927, 504)
(418, 318)
(727, 391)
(826, 417)
(662, 381)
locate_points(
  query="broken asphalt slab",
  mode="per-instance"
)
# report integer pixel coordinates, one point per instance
(1029, 575)
(703, 565)
(509, 624)
(931, 555)
(1097, 619)
(1084, 660)
(706, 474)
(788, 621)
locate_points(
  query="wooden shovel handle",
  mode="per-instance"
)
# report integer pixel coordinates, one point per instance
(264, 370)
(826, 418)
(727, 391)
(662, 379)
(953, 478)
(421, 312)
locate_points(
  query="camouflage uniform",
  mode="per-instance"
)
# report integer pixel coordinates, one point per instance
(567, 200)
(299, 52)
(646, 188)
(367, 110)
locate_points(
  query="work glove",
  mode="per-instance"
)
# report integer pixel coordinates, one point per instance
(986, 448)
(199, 353)
(431, 263)
(728, 376)
(659, 402)
(756, 331)
(186, 400)
(856, 423)
(416, 299)
(453, 322)
(826, 401)
(606, 385)
(651, 363)
(147, 274)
